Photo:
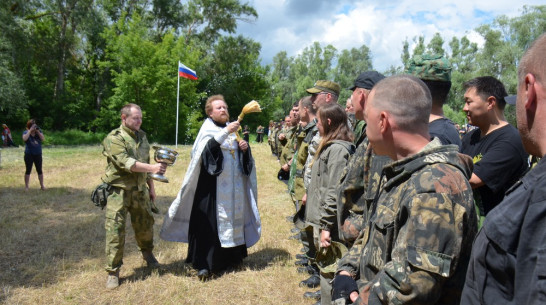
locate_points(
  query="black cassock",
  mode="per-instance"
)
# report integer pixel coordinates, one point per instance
(205, 250)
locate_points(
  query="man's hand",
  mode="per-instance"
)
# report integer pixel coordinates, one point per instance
(282, 136)
(285, 167)
(344, 287)
(233, 126)
(304, 199)
(159, 168)
(243, 145)
(325, 240)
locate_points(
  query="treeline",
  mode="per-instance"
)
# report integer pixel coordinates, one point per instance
(72, 64)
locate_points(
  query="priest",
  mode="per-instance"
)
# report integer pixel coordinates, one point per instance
(216, 209)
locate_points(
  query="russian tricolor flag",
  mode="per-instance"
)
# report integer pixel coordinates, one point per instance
(186, 72)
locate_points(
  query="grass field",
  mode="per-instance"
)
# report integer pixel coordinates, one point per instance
(52, 242)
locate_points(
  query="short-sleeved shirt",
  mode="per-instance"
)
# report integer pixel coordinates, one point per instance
(33, 145)
(499, 161)
(445, 130)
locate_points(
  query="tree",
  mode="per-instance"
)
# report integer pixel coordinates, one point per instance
(351, 63)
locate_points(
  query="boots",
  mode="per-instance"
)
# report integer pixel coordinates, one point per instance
(149, 257)
(112, 281)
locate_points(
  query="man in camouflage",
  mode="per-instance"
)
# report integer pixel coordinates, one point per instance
(322, 93)
(287, 151)
(132, 190)
(360, 180)
(416, 246)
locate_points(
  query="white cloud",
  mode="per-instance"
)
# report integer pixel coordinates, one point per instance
(292, 25)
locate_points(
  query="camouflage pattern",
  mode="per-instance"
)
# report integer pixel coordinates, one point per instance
(312, 149)
(137, 203)
(271, 139)
(302, 143)
(430, 67)
(287, 151)
(122, 148)
(359, 185)
(416, 247)
(360, 131)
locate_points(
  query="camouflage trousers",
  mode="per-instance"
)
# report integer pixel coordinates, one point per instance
(137, 203)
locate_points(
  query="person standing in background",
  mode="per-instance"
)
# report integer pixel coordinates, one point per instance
(33, 138)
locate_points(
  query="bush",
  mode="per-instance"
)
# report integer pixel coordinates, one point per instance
(73, 137)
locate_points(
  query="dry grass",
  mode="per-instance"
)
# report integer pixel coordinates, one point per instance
(52, 242)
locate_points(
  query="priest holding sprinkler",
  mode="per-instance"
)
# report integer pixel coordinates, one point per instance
(216, 210)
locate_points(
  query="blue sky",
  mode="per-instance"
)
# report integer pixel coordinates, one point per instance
(292, 25)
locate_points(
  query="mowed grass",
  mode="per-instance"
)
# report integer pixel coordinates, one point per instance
(52, 242)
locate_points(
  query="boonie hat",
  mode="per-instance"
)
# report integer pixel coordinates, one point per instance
(433, 67)
(326, 86)
(367, 80)
(327, 258)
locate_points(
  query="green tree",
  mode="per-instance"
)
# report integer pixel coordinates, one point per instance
(351, 63)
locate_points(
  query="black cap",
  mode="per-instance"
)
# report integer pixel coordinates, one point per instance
(510, 99)
(367, 80)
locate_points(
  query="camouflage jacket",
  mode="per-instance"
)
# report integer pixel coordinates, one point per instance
(122, 148)
(287, 151)
(302, 145)
(311, 150)
(416, 247)
(360, 132)
(359, 185)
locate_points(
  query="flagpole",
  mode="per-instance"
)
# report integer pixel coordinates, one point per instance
(177, 102)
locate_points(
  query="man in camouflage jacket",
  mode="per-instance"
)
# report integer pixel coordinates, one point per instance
(416, 247)
(132, 190)
(360, 180)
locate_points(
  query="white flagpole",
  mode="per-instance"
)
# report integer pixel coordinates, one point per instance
(177, 102)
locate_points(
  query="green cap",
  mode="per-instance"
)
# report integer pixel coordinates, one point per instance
(430, 67)
(327, 258)
(325, 86)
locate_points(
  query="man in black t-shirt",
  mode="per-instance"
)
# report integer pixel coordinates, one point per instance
(495, 146)
(435, 71)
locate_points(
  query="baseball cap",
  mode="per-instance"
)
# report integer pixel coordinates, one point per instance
(367, 80)
(326, 86)
(433, 67)
(510, 99)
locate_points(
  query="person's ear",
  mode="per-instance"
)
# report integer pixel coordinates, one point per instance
(384, 123)
(530, 101)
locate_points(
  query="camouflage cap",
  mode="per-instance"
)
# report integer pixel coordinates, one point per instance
(325, 86)
(430, 67)
(327, 258)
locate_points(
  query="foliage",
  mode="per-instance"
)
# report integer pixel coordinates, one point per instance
(73, 137)
(72, 64)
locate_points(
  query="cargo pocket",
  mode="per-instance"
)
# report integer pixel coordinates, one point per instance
(430, 261)
(382, 238)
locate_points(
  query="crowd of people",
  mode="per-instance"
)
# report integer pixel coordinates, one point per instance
(389, 195)
(391, 206)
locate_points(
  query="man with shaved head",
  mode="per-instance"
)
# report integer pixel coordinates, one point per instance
(416, 245)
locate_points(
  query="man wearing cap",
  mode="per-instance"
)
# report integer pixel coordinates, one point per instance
(360, 179)
(435, 71)
(495, 146)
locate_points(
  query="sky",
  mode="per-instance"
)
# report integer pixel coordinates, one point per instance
(293, 25)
